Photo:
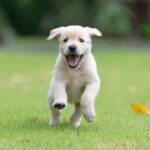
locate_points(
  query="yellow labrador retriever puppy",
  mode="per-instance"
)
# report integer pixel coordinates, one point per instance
(75, 78)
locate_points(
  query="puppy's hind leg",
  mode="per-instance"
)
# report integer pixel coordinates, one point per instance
(76, 117)
(55, 113)
(55, 116)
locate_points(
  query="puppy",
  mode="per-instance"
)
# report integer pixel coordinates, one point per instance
(75, 79)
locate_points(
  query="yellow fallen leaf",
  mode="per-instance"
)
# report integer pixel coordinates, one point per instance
(140, 108)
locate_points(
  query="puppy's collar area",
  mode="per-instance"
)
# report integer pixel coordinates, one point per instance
(73, 60)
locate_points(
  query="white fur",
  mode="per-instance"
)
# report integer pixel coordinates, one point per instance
(78, 86)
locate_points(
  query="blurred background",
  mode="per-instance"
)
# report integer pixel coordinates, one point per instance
(115, 18)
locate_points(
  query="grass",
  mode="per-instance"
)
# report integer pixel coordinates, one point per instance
(24, 114)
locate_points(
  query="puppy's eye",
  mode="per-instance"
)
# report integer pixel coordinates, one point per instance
(81, 40)
(65, 40)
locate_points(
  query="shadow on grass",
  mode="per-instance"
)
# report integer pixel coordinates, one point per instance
(33, 124)
(40, 124)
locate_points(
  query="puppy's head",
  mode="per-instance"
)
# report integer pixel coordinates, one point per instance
(74, 42)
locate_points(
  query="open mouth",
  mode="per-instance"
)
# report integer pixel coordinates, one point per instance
(73, 60)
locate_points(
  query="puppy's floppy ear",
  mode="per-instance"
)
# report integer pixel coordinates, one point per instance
(93, 31)
(55, 33)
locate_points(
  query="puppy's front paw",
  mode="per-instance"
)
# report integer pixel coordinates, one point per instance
(59, 104)
(89, 113)
(89, 118)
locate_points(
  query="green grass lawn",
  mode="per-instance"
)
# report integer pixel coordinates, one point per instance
(24, 114)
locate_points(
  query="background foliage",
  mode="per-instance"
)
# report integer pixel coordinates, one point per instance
(115, 18)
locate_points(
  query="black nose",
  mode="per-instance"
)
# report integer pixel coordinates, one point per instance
(72, 48)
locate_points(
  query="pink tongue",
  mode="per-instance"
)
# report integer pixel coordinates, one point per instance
(73, 60)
